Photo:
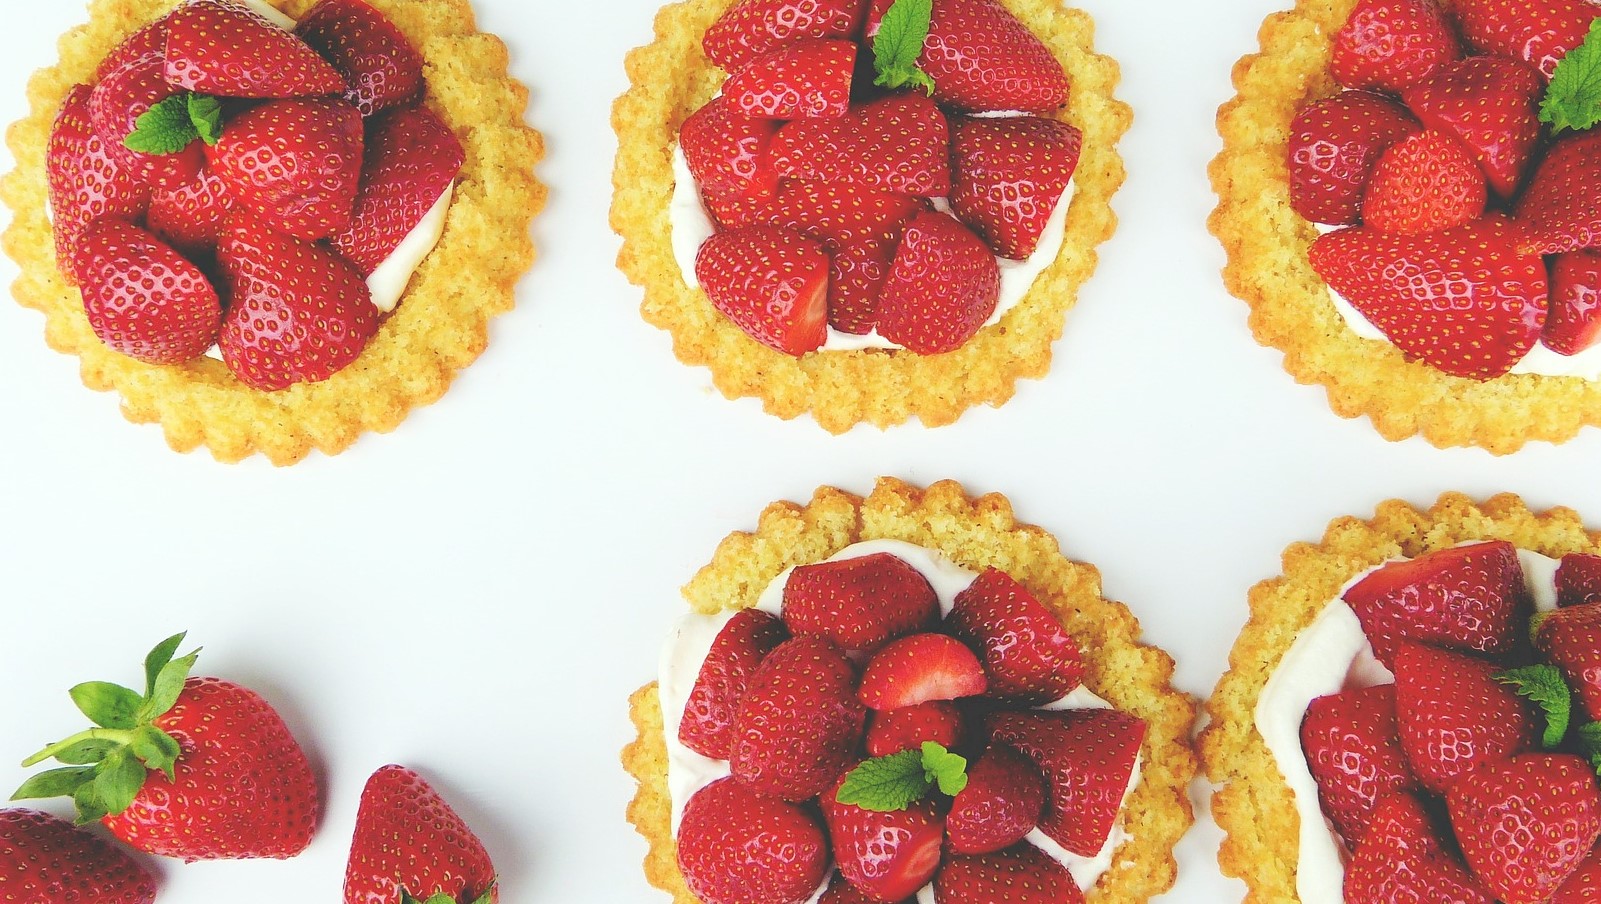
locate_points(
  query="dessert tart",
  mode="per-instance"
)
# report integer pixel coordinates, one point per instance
(863, 221)
(1407, 195)
(302, 299)
(1391, 691)
(817, 670)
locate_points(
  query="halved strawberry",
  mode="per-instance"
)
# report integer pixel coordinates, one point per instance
(191, 217)
(1527, 823)
(942, 287)
(1353, 748)
(144, 299)
(809, 78)
(1021, 874)
(296, 163)
(225, 48)
(1579, 580)
(708, 723)
(1009, 175)
(898, 144)
(771, 282)
(1088, 758)
(1584, 886)
(729, 154)
(894, 730)
(1464, 300)
(298, 313)
(799, 722)
(982, 58)
(1491, 105)
(1001, 804)
(886, 855)
(860, 603)
(1575, 321)
(1403, 858)
(87, 182)
(1334, 145)
(855, 282)
(127, 91)
(1389, 44)
(1470, 598)
(1571, 639)
(375, 59)
(751, 28)
(1028, 656)
(1454, 714)
(920, 668)
(1424, 183)
(1539, 32)
(736, 846)
(1562, 206)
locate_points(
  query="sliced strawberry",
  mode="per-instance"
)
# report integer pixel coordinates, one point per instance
(860, 603)
(298, 313)
(736, 846)
(1028, 656)
(918, 669)
(1009, 176)
(729, 154)
(1387, 45)
(1470, 598)
(708, 724)
(855, 282)
(898, 144)
(191, 217)
(1491, 105)
(894, 730)
(1575, 321)
(225, 48)
(377, 62)
(751, 28)
(1579, 579)
(1454, 715)
(1464, 300)
(1539, 32)
(1403, 858)
(1583, 886)
(771, 282)
(1571, 639)
(1562, 207)
(942, 287)
(296, 163)
(1088, 757)
(1353, 748)
(982, 58)
(842, 892)
(1334, 145)
(144, 299)
(886, 855)
(799, 722)
(809, 78)
(838, 215)
(1021, 874)
(87, 181)
(1527, 823)
(1424, 183)
(127, 91)
(1001, 804)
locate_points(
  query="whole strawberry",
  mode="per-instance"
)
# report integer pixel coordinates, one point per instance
(1402, 857)
(45, 860)
(142, 297)
(736, 847)
(1424, 183)
(223, 47)
(131, 84)
(1526, 824)
(1562, 207)
(894, 730)
(1575, 321)
(194, 768)
(296, 163)
(811, 78)
(1001, 804)
(1386, 45)
(87, 181)
(859, 603)
(411, 846)
(191, 217)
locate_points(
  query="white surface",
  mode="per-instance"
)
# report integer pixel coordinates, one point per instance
(557, 497)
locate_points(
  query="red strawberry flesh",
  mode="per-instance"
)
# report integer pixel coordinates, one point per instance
(919, 669)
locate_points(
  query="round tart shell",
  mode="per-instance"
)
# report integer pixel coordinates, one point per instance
(672, 78)
(1268, 242)
(1254, 807)
(976, 533)
(442, 324)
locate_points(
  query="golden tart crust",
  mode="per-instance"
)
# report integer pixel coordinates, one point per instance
(671, 79)
(976, 533)
(1267, 244)
(1254, 807)
(441, 326)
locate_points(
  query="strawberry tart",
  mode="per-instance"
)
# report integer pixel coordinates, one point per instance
(1413, 713)
(269, 226)
(1408, 197)
(866, 210)
(908, 697)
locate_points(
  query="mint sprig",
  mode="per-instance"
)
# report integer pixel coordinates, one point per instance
(892, 783)
(175, 123)
(1544, 685)
(1573, 101)
(899, 43)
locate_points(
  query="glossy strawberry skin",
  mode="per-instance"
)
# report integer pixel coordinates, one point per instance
(1387, 45)
(1539, 32)
(730, 157)
(708, 722)
(799, 722)
(1583, 886)
(1087, 757)
(859, 603)
(1424, 183)
(809, 78)
(411, 158)
(1021, 874)
(1334, 145)
(1353, 748)
(87, 182)
(1579, 580)
(898, 144)
(243, 786)
(918, 669)
(736, 846)
(1001, 804)
(1490, 104)
(377, 62)
(1466, 301)
(1527, 823)
(127, 91)
(1570, 638)
(1029, 657)
(408, 838)
(144, 299)
(191, 217)
(842, 892)
(1403, 858)
(1454, 715)
(982, 58)
(1562, 207)
(893, 730)
(751, 28)
(839, 215)
(223, 48)
(771, 282)
(1009, 175)
(1575, 321)
(45, 860)
(296, 163)
(856, 279)
(889, 856)
(942, 287)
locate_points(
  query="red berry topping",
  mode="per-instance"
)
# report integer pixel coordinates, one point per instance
(1028, 656)
(1562, 207)
(1088, 758)
(1579, 580)
(942, 287)
(296, 163)
(894, 730)
(860, 603)
(125, 92)
(1571, 639)
(919, 669)
(375, 59)
(886, 855)
(771, 282)
(736, 846)
(898, 144)
(87, 181)
(811, 78)
(191, 217)
(1387, 45)
(1539, 32)
(1001, 804)
(1424, 183)
(1575, 321)
(1334, 145)
(1491, 105)
(729, 155)
(1021, 874)
(1454, 714)
(1009, 176)
(44, 859)
(225, 48)
(751, 28)
(144, 299)
(708, 724)
(1403, 858)
(1353, 748)
(1526, 824)
(799, 722)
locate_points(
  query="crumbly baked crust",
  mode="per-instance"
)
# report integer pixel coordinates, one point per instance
(1254, 807)
(671, 79)
(1267, 244)
(441, 326)
(976, 533)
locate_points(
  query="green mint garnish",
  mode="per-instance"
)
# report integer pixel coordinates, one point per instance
(1544, 685)
(1589, 740)
(899, 43)
(1574, 99)
(175, 123)
(895, 782)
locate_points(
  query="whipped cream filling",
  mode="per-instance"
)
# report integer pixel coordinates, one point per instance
(1329, 656)
(389, 280)
(690, 641)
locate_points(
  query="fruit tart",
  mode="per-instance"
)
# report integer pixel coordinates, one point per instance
(1413, 713)
(907, 697)
(1409, 195)
(863, 209)
(271, 228)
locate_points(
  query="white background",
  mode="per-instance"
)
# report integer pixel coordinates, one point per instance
(477, 594)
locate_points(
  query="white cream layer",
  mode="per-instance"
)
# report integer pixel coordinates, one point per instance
(389, 280)
(691, 640)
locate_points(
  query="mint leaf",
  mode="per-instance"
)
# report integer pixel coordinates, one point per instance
(1589, 740)
(165, 128)
(899, 43)
(107, 705)
(944, 768)
(887, 784)
(206, 114)
(1544, 685)
(1574, 99)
